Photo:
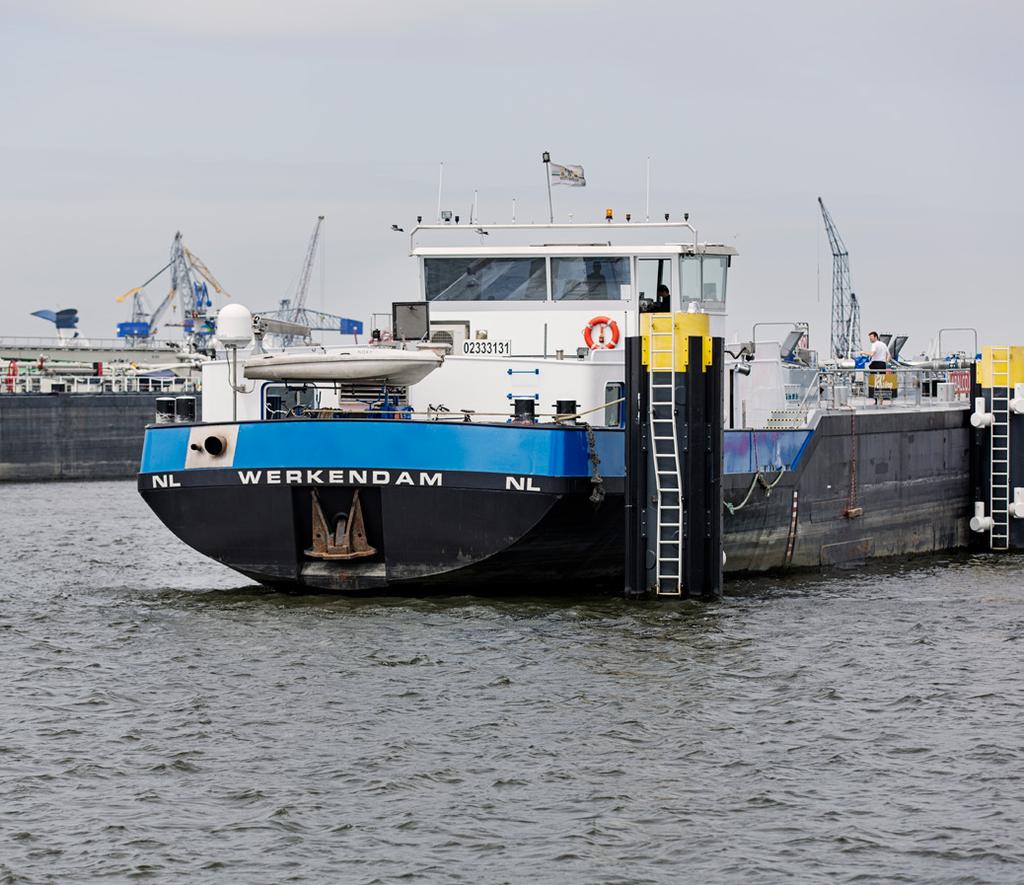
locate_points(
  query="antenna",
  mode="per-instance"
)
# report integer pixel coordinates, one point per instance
(440, 187)
(648, 212)
(473, 216)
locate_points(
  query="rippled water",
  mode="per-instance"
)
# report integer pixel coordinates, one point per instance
(162, 718)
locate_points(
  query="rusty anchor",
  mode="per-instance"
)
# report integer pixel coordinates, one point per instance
(348, 541)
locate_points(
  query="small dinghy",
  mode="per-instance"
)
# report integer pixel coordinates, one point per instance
(384, 364)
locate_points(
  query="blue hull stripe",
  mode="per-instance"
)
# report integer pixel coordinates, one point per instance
(400, 445)
(419, 445)
(164, 449)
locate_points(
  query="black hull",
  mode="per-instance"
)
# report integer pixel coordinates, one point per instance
(869, 486)
(429, 537)
(73, 436)
(888, 485)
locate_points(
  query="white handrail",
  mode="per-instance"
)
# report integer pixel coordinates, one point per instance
(477, 228)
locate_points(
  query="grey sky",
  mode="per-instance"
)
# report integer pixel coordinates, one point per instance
(239, 122)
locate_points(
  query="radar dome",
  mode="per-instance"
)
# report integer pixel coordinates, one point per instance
(234, 325)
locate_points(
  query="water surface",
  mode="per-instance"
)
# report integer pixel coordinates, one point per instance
(163, 718)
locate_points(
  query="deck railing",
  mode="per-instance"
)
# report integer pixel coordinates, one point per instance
(113, 384)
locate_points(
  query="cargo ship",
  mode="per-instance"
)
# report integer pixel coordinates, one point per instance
(76, 409)
(577, 418)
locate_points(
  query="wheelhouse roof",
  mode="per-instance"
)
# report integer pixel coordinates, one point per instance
(564, 239)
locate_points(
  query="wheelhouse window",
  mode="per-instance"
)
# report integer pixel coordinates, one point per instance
(713, 271)
(485, 279)
(703, 277)
(655, 284)
(589, 279)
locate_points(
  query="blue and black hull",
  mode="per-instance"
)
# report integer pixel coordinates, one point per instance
(494, 506)
(506, 507)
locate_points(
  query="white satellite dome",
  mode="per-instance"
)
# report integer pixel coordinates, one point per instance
(234, 325)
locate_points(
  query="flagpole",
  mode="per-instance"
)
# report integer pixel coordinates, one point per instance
(546, 157)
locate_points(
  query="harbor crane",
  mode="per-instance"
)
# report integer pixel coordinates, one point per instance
(190, 282)
(845, 306)
(294, 310)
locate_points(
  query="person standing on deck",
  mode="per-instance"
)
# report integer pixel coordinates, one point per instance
(879, 353)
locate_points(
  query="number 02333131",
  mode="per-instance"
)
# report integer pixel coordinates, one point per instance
(487, 348)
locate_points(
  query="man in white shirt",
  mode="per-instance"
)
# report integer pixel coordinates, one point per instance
(879, 353)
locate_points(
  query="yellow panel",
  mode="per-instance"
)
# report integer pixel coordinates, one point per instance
(692, 323)
(689, 325)
(986, 369)
(666, 337)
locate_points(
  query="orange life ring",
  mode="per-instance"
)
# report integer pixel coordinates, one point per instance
(601, 323)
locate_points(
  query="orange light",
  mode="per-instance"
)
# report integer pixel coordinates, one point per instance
(608, 214)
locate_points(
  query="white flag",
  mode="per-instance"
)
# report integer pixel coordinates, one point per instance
(567, 175)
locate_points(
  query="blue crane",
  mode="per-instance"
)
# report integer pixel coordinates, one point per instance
(190, 282)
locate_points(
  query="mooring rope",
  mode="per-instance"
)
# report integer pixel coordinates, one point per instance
(759, 478)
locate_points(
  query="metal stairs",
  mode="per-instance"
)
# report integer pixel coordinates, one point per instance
(999, 478)
(665, 451)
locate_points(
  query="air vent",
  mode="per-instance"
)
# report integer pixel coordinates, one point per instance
(441, 337)
(450, 332)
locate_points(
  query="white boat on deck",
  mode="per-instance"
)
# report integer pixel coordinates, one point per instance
(388, 365)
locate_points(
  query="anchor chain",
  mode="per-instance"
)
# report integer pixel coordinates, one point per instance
(598, 492)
